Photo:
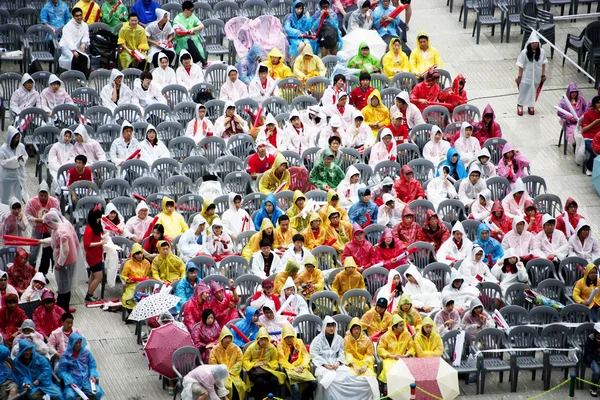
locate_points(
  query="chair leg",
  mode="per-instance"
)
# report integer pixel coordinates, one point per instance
(515, 379)
(508, 24)
(465, 19)
(474, 27)
(482, 382)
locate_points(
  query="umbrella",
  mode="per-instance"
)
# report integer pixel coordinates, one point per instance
(596, 175)
(376, 44)
(431, 374)
(152, 306)
(162, 343)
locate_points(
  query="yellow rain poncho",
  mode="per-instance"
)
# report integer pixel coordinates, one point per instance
(283, 239)
(359, 352)
(314, 239)
(232, 357)
(374, 323)
(377, 114)
(309, 283)
(582, 292)
(169, 268)
(390, 344)
(279, 71)
(291, 270)
(89, 16)
(342, 234)
(173, 223)
(431, 346)
(348, 279)
(421, 61)
(297, 222)
(269, 182)
(324, 211)
(304, 69)
(268, 355)
(393, 63)
(253, 244)
(209, 219)
(134, 39)
(133, 269)
(411, 317)
(303, 359)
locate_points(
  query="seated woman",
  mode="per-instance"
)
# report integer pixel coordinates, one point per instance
(440, 188)
(395, 61)
(297, 26)
(364, 61)
(20, 273)
(272, 321)
(410, 316)
(377, 116)
(295, 361)
(476, 319)
(185, 287)
(457, 168)
(35, 289)
(512, 164)
(389, 251)
(499, 222)
(423, 293)
(395, 344)
(447, 319)
(580, 106)
(487, 128)
(490, 246)
(11, 318)
(509, 270)
(218, 242)
(47, 317)
(475, 270)
(533, 218)
(206, 381)
(229, 354)
(248, 326)
(134, 270)
(583, 244)
(311, 280)
(61, 153)
(151, 148)
(436, 149)
(150, 244)
(77, 366)
(222, 302)
(482, 209)
(434, 231)
(407, 231)
(359, 350)
(326, 174)
(292, 303)
(193, 309)
(193, 241)
(427, 341)
(584, 289)
(27, 332)
(392, 290)
(205, 334)
(30, 367)
(461, 292)
(348, 188)
(467, 145)
(262, 86)
(407, 187)
(384, 150)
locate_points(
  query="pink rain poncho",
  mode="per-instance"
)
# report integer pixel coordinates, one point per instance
(362, 252)
(266, 31)
(512, 168)
(64, 238)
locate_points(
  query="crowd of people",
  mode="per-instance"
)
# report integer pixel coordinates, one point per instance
(409, 315)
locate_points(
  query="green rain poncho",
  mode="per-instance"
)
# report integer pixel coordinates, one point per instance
(368, 64)
(322, 176)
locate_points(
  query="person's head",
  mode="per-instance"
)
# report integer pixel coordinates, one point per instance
(170, 207)
(364, 51)
(324, 4)
(186, 61)
(269, 207)
(263, 342)
(158, 232)
(401, 102)
(572, 208)
(315, 221)
(349, 265)
(67, 322)
(449, 305)
(77, 14)
(11, 301)
(583, 232)
(595, 103)
(300, 201)
(385, 3)
(457, 235)
(365, 80)
(396, 45)
(188, 8)
(381, 305)
(263, 72)
(28, 354)
(237, 201)
(330, 328)
(146, 78)
(386, 137)
(354, 179)
(592, 272)
(3, 280)
(423, 42)
(217, 229)
(427, 326)
(233, 74)
(133, 20)
(298, 240)
(284, 223)
(94, 219)
(397, 324)
(261, 149)
(163, 61)
(151, 136)
(268, 312)
(396, 279)
(164, 249)
(548, 224)
(339, 81)
(468, 131)
(310, 263)
(265, 247)
(408, 216)
(397, 119)
(48, 299)
(328, 160)
(474, 177)
(271, 127)
(138, 255)
(366, 197)
(55, 85)
(296, 121)
(192, 272)
(530, 210)
(479, 251)
(484, 233)
(477, 311)
(366, 6)
(80, 162)
(412, 280)
(520, 227)
(299, 9)
(342, 100)
(356, 330)
(127, 132)
(16, 208)
(487, 118)
(335, 199)
(334, 143)
(208, 317)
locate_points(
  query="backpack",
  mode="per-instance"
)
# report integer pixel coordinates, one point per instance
(328, 36)
(103, 46)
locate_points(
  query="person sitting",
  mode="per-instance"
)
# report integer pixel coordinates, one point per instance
(134, 270)
(146, 93)
(476, 319)
(436, 150)
(163, 74)
(86, 146)
(186, 25)
(265, 262)
(267, 294)
(514, 202)
(360, 94)
(474, 270)
(411, 115)
(193, 242)
(376, 320)
(233, 89)
(7, 377)
(188, 73)
(550, 243)
(248, 326)
(291, 271)
(269, 210)
(55, 14)
(14, 222)
(467, 145)
(20, 273)
(407, 231)
(172, 220)
(440, 188)
(410, 316)
(359, 349)
(272, 321)
(482, 161)
(115, 92)
(398, 128)
(124, 146)
(487, 128)
(509, 270)
(296, 136)
(498, 221)
(407, 188)
(277, 178)
(24, 97)
(532, 217)
(236, 220)
(395, 61)
(427, 341)
(311, 280)
(512, 164)
(185, 287)
(146, 10)
(229, 354)
(261, 363)
(395, 344)
(345, 114)
(457, 168)
(456, 248)
(326, 174)
(297, 305)
(5, 288)
(519, 239)
(268, 132)
(376, 114)
(362, 17)
(424, 57)
(262, 86)
(59, 338)
(390, 212)
(348, 279)
(296, 252)
(36, 288)
(205, 334)
(167, 267)
(74, 41)
(389, 251)
(358, 135)
(134, 44)
(314, 234)
(77, 366)
(223, 303)
(567, 221)
(278, 70)
(151, 148)
(27, 332)
(192, 310)
(584, 288)
(359, 250)
(433, 231)
(447, 319)
(427, 91)
(307, 65)
(160, 35)
(394, 26)
(349, 188)
(470, 190)
(218, 242)
(583, 244)
(151, 244)
(265, 232)
(421, 291)
(53, 95)
(60, 153)
(206, 382)
(592, 357)
(385, 149)
(33, 372)
(261, 161)
(298, 214)
(489, 245)
(79, 172)
(297, 26)
(364, 212)
(456, 95)
(325, 22)
(331, 92)
(589, 131)
(364, 61)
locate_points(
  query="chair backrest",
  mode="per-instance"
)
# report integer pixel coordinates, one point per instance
(491, 339)
(284, 199)
(438, 273)
(420, 208)
(307, 326)
(29, 307)
(7, 256)
(494, 145)
(514, 294)
(576, 313)
(9, 82)
(247, 285)
(316, 85)
(115, 187)
(178, 186)
(375, 278)
(466, 112)
(422, 168)
(571, 270)
(552, 289)
(499, 186)
(539, 269)
(323, 303)
(326, 257)
(243, 239)
(164, 168)
(253, 202)
(534, 185)
(489, 292)
(212, 148)
(216, 75)
(423, 256)
(181, 147)
(206, 265)
(436, 115)
(548, 204)
(543, 315)
(290, 88)
(471, 226)
(221, 279)
(234, 266)
(214, 108)
(373, 233)
(407, 152)
(449, 341)
(145, 186)
(451, 210)
(419, 135)
(195, 167)
(184, 112)
(184, 360)
(445, 78)
(130, 75)
(343, 323)
(303, 102)
(237, 182)
(356, 302)
(555, 336)
(275, 106)
(225, 10)
(134, 169)
(522, 337)
(515, 315)
(309, 157)
(387, 168)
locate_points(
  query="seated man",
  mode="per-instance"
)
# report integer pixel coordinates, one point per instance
(230, 123)
(236, 220)
(59, 338)
(277, 68)
(360, 94)
(427, 91)
(550, 243)
(74, 41)
(359, 249)
(160, 35)
(189, 40)
(428, 342)
(277, 177)
(388, 27)
(24, 97)
(519, 239)
(87, 146)
(407, 231)
(390, 212)
(77, 366)
(331, 93)
(359, 350)
(364, 61)
(425, 57)
(296, 252)
(55, 14)
(188, 73)
(185, 287)
(145, 93)
(491, 247)
(291, 271)
(377, 320)
(337, 230)
(261, 364)
(34, 373)
(395, 344)
(434, 231)
(467, 146)
(295, 361)
(136, 226)
(348, 279)
(115, 93)
(422, 291)
(456, 248)
(53, 95)
(173, 222)
(364, 212)
(470, 188)
(407, 188)
(583, 244)
(283, 235)
(273, 322)
(20, 273)
(124, 146)
(266, 294)
(11, 318)
(265, 262)
(307, 65)
(314, 235)
(79, 172)
(312, 279)
(134, 44)
(261, 161)
(167, 267)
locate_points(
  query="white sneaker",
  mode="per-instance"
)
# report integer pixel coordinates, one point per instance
(588, 172)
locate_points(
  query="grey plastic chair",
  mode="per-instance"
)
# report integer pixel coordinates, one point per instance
(98, 79)
(490, 291)
(451, 210)
(466, 112)
(355, 302)
(491, 339)
(184, 112)
(73, 80)
(225, 10)
(242, 240)
(523, 337)
(213, 37)
(387, 168)
(175, 94)
(323, 303)
(35, 117)
(554, 290)
(12, 36)
(134, 169)
(222, 203)
(326, 258)
(534, 185)
(125, 205)
(543, 315)
(293, 158)
(154, 202)
(253, 202)
(221, 279)
(557, 336)
(438, 273)
(127, 112)
(103, 171)
(164, 168)
(241, 146)
(343, 323)
(216, 75)
(515, 315)
(66, 115)
(373, 233)
(436, 115)
(349, 157)
(206, 265)
(471, 226)
(213, 147)
(183, 361)
(227, 164)
(189, 204)
(308, 327)
(85, 98)
(404, 81)
(9, 83)
(237, 182)
(130, 75)
(422, 168)
(420, 208)
(246, 286)
(181, 147)
(254, 8)
(145, 186)
(169, 130)
(214, 109)
(375, 278)
(423, 256)
(499, 186)
(7, 256)
(113, 188)
(365, 172)
(548, 204)
(316, 86)
(303, 102)
(178, 186)
(309, 157)
(494, 146)
(98, 116)
(538, 270)
(570, 270)
(576, 313)
(36, 47)
(467, 364)
(317, 195)
(195, 167)
(289, 89)
(388, 96)
(234, 266)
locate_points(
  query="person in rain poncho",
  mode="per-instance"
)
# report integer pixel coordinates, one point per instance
(59, 338)
(295, 361)
(364, 211)
(389, 251)
(7, 378)
(575, 98)
(11, 318)
(160, 35)
(87, 146)
(185, 287)
(136, 226)
(381, 14)
(567, 221)
(295, 252)
(134, 44)
(298, 212)
(474, 270)
(233, 89)
(146, 93)
(349, 187)
(261, 363)
(498, 222)
(14, 222)
(20, 273)
(265, 262)
(457, 247)
(64, 244)
(422, 291)
(311, 280)
(325, 21)
(188, 73)
(436, 149)
(53, 95)
(124, 146)
(470, 189)
(338, 84)
(266, 229)
(134, 269)
(248, 65)
(519, 239)
(359, 349)
(152, 148)
(269, 133)
(514, 202)
(201, 126)
(476, 319)
(395, 61)
(218, 242)
(249, 326)
(315, 234)
(482, 161)
(337, 231)
(384, 149)
(407, 188)
(163, 74)
(35, 289)
(326, 174)
(223, 302)
(434, 231)
(424, 56)
(409, 314)
(364, 61)
(584, 288)
(192, 310)
(262, 85)
(27, 332)
(395, 344)
(277, 68)
(74, 41)
(392, 290)
(583, 244)
(188, 22)
(457, 168)
(209, 211)
(348, 279)
(296, 136)
(509, 269)
(440, 188)
(456, 95)
(342, 110)
(13, 158)
(277, 176)
(30, 367)
(407, 231)
(485, 129)
(467, 145)
(512, 164)
(206, 382)
(205, 334)
(169, 218)
(230, 355)
(390, 212)
(359, 250)
(489, 245)
(61, 153)
(336, 381)
(236, 220)
(297, 26)
(6, 288)
(116, 93)
(461, 292)
(376, 115)
(193, 241)
(167, 267)
(24, 97)
(269, 210)
(307, 65)
(447, 319)
(376, 320)
(333, 199)
(361, 17)
(291, 271)
(428, 91)
(531, 74)
(410, 112)
(427, 341)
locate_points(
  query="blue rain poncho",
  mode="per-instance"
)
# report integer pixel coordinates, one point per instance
(357, 213)
(459, 167)
(184, 290)
(38, 369)
(294, 27)
(78, 370)
(248, 65)
(262, 213)
(489, 246)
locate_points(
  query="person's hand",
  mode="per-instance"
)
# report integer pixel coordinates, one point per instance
(427, 309)
(36, 383)
(573, 119)
(299, 369)
(104, 241)
(518, 80)
(57, 267)
(543, 79)
(360, 269)
(258, 324)
(423, 101)
(395, 356)
(231, 305)
(403, 356)
(449, 322)
(27, 386)
(336, 365)
(327, 366)
(356, 370)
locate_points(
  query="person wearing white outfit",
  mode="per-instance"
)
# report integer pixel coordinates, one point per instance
(487, 169)
(313, 118)
(163, 75)
(13, 175)
(482, 208)
(461, 292)
(151, 148)
(348, 188)
(188, 73)
(87, 146)
(422, 291)
(236, 220)
(115, 92)
(457, 247)
(24, 97)
(514, 202)
(550, 243)
(532, 73)
(322, 135)
(136, 227)
(390, 212)
(73, 44)
(296, 136)
(410, 112)
(233, 89)
(358, 134)
(475, 270)
(257, 262)
(298, 304)
(466, 145)
(509, 269)
(385, 149)
(470, 188)
(230, 123)
(124, 146)
(392, 290)
(145, 92)
(296, 252)
(60, 153)
(160, 34)
(342, 110)
(218, 242)
(519, 239)
(583, 244)
(193, 241)
(440, 188)
(435, 150)
(262, 86)
(199, 127)
(53, 95)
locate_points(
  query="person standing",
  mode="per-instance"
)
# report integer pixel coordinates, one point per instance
(532, 73)
(12, 166)
(35, 210)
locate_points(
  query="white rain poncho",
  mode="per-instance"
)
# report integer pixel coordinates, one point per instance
(292, 139)
(221, 244)
(297, 304)
(121, 150)
(508, 278)
(73, 36)
(347, 191)
(188, 80)
(144, 97)
(557, 244)
(50, 99)
(163, 77)
(88, 147)
(386, 291)
(60, 153)
(467, 147)
(125, 94)
(476, 271)
(259, 92)
(449, 251)
(467, 192)
(199, 128)
(22, 98)
(137, 227)
(423, 294)
(233, 91)
(151, 152)
(188, 242)
(440, 188)
(236, 221)
(463, 295)
(532, 73)
(13, 175)
(521, 244)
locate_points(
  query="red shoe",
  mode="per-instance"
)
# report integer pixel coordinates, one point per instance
(519, 111)
(531, 110)
(72, 310)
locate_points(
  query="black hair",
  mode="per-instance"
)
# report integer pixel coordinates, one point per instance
(16, 206)
(117, 220)
(67, 316)
(531, 55)
(297, 237)
(334, 138)
(146, 75)
(187, 5)
(160, 228)
(82, 158)
(284, 217)
(165, 244)
(364, 76)
(337, 77)
(588, 281)
(397, 40)
(366, 4)
(170, 203)
(155, 141)
(76, 10)
(263, 68)
(92, 220)
(237, 197)
(210, 207)
(385, 246)
(332, 214)
(265, 242)
(185, 56)
(131, 15)
(207, 313)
